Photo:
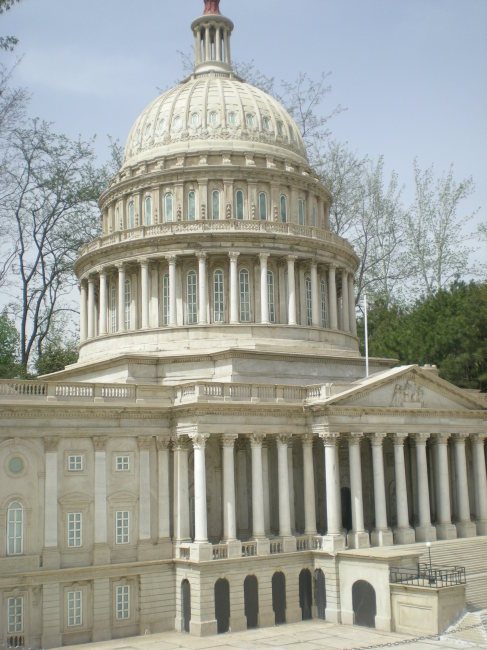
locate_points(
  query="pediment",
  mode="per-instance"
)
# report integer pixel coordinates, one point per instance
(407, 387)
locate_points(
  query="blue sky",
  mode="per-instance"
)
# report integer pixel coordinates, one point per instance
(412, 73)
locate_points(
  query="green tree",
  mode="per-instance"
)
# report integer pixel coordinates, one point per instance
(9, 346)
(56, 355)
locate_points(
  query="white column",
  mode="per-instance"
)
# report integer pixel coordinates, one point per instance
(480, 480)
(357, 537)
(51, 493)
(444, 527)
(202, 289)
(144, 285)
(91, 307)
(283, 489)
(309, 486)
(163, 492)
(154, 297)
(381, 535)
(145, 447)
(264, 298)
(465, 527)
(171, 260)
(233, 287)
(332, 297)
(351, 305)
(200, 508)
(121, 298)
(403, 534)
(315, 297)
(181, 524)
(291, 290)
(258, 524)
(83, 325)
(424, 531)
(229, 511)
(103, 302)
(345, 305)
(334, 537)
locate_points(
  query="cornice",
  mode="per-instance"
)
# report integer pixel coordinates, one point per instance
(392, 411)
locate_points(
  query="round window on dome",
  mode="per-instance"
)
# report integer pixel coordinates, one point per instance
(266, 121)
(161, 125)
(213, 118)
(176, 123)
(15, 465)
(232, 118)
(195, 120)
(250, 120)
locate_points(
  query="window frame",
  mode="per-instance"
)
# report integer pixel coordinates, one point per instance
(215, 213)
(15, 619)
(131, 214)
(191, 297)
(122, 602)
(74, 530)
(148, 212)
(301, 212)
(127, 304)
(192, 214)
(283, 208)
(263, 195)
(168, 207)
(271, 300)
(120, 463)
(73, 468)
(244, 306)
(323, 305)
(218, 295)
(165, 299)
(308, 299)
(122, 527)
(15, 528)
(74, 608)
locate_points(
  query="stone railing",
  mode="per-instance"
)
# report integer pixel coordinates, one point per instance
(249, 549)
(226, 226)
(209, 391)
(220, 551)
(275, 546)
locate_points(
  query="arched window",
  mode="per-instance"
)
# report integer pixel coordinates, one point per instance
(283, 208)
(165, 299)
(113, 307)
(118, 224)
(313, 216)
(271, 304)
(250, 120)
(15, 528)
(148, 210)
(244, 283)
(131, 215)
(324, 315)
(262, 206)
(308, 297)
(192, 298)
(215, 204)
(239, 204)
(191, 205)
(218, 297)
(301, 212)
(127, 303)
(232, 118)
(213, 118)
(168, 207)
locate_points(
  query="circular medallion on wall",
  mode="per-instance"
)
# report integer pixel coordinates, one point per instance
(15, 465)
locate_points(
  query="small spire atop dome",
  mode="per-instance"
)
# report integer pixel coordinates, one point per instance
(212, 7)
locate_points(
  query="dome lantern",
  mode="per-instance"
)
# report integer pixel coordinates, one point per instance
(212, 33)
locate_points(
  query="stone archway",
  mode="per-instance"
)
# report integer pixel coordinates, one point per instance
(305, 594)
(279, 597)
(320, 593)
(185, 605)
(222, 605)
(364, 603)
(251, 601)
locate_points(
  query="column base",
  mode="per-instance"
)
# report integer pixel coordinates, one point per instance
(446, 531)
(333, 543)
(51, 558)
(359, 539)
(288, 545)
(404, 536)
(425, 533)
(466, 528)
(263, 546)
(101, 554)
(201, 552)
(204, 628)
(234, 548)
(382, 537)
(481, 526)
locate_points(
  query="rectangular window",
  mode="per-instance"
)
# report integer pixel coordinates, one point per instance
(122, 602)
(192, 303)
(15, 609)
(75, 463)
(113, 307)
(218, 297)
(324, 315)
(75, 611)
(165, 299)
(74, 529)
(244, 296)
(122, 527)
(309, 300)
(127, 297)
(271, 305)
(122, 463)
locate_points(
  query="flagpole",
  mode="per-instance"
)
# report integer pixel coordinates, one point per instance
(366, 335)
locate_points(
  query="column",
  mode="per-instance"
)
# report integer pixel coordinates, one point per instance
(218, 44)
(233, 287)
(91, 307)
(164, 528)
(357, 537)
(264, 299)
(381, 535)
(103, 302)
(144, 299)
(121, 298)
(145, 448)
(258, 523)
(171, 260)
(50, 553)
(181, 497)
(83, 325)
(465, 527)
(291, 290)
(101, 552)
(345, 305)
(425, 532)
(202, 289)
(229, 508)
(444, 528)
(403, 534)
(480, 481)
(309, 486)
(332, 297)
(283, 488)
(351, 306)
(315, 296)
(334, 539)
(154, 297)
(200, 509)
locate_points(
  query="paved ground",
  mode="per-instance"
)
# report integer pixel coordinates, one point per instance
(309, 635)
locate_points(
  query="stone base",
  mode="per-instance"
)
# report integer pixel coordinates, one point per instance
(404, 536)
(358, 539)
(238, 623)
(382, 537)
(383, 622)
(203, 628)
(201, 552)
(466, 529)
(263, 546)
(333, 615)
(51, 558)
(234, 549)
(267, 618)
(288, 545)
(481, 526)
(425, 533)
(446, 531)
(333, 543)
(101, 554)
(294, 615)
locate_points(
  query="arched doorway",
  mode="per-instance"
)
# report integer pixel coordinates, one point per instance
(320, 593)
(346, 508)
(364, 603)
(185, 605)
(305, 594)
(222, 605)
(279, 597)
(251, 601)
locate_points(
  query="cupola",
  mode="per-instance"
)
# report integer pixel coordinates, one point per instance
(212, 33)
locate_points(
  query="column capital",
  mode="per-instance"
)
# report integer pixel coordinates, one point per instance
(102, 271)
(199, 440)
(283, 438)
(398, 438)
(143, 261)
(307, 439)
(291, 258)
(330, 438)
(440, 438)
(120, 266)
(256, 439)
(460, 436)
(99, 443)
(420, 438)
(180, 443)
(377, 438)
(91, 278)
(332, 266)
(201, 255)
(163, 442)
(50, 443)
(170, 259)
(145, 442)
(233, 255)
(478, 438)
(228, 439)
(355, 437)
(264, 256)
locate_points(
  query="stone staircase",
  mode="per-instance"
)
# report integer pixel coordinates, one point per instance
(470, 553)
(470, 629)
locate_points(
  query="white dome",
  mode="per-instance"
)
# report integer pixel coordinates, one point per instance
(214, 112)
